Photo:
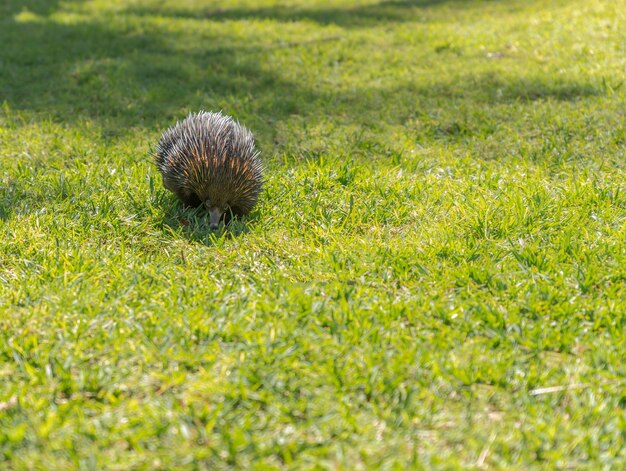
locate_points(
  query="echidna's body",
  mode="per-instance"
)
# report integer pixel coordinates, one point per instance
(209, 159)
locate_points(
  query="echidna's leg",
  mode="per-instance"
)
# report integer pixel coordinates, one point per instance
(236, 211)
(188, 198)
(228, 215)
(168, 184)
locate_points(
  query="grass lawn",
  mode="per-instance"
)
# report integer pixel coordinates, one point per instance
(434, 277)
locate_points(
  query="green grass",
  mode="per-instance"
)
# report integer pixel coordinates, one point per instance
(442, 237)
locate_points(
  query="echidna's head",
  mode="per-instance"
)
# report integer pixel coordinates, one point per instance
(227, 193)
(217, 211)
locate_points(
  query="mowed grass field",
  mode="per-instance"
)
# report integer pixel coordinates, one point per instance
(434, 276)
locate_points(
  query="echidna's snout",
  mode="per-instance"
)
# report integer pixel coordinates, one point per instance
(215, 216)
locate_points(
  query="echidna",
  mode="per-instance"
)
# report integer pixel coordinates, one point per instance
(210, 159)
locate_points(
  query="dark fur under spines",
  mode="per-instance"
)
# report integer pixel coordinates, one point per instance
(210, 159)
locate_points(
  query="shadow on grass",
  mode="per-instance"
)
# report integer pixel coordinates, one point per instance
(124, 79)
(367, 15)
(40, 7)
(11, 195)
(194, 223)
(483, 90)
(382, 12)
(136, 76)
(6, 208)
